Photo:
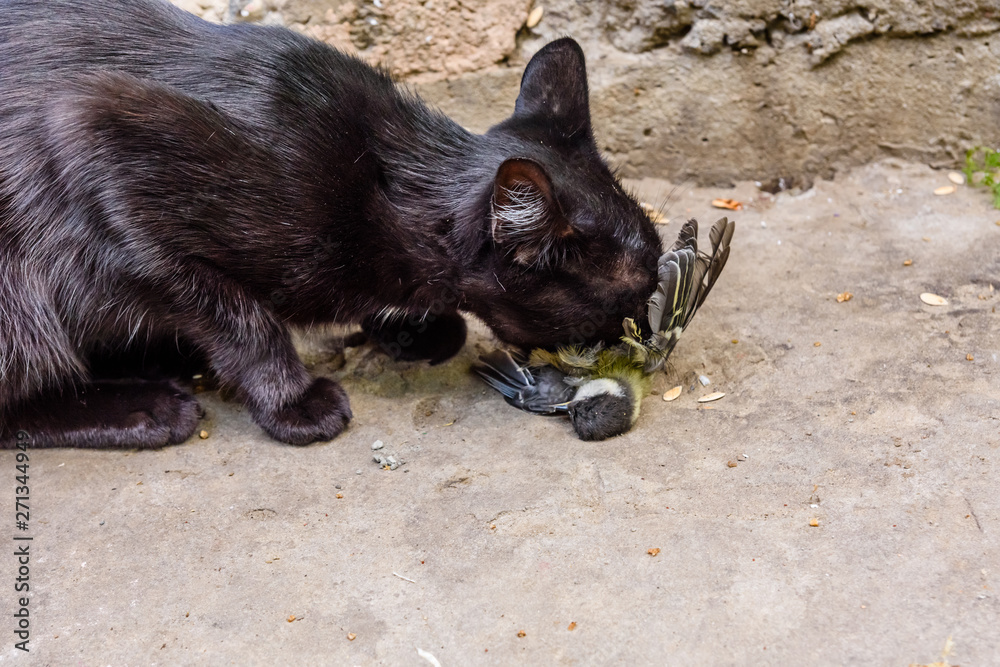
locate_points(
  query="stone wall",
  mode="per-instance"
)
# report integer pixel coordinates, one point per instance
(691, 90)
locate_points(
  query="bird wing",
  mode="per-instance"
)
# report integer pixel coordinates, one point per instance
(545, 393)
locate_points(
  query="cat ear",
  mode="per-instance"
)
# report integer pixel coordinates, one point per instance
(527, 221)
(554, 86)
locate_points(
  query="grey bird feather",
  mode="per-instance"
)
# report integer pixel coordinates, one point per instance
(686, 276)
(543, 392)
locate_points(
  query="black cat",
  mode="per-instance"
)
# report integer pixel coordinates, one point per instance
(170, 187)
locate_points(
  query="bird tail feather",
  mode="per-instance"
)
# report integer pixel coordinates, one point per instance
(686, 276)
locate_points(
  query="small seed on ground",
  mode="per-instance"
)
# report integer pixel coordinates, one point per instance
(535, 17)
(653, 214)
(672, 393)
(714, 396)
(944, 190)
(956, 178)
(933, 299)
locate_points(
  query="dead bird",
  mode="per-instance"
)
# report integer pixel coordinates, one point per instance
(601, 389)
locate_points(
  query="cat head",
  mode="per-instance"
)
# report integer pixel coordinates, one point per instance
(572, 254)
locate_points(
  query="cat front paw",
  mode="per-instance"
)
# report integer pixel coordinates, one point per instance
(321, 414)
(435, 338)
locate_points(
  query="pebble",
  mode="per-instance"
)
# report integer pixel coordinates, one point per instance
(703, 379)
(386, 461)
(378, 444)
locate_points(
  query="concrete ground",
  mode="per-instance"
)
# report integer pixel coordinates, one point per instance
(866, 416)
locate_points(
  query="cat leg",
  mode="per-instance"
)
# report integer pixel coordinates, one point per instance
(434, 337)
(251, 351)
(37, 357)
(44, 392)
(127, 414)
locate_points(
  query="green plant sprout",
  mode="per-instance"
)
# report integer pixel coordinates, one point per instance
(985, 161)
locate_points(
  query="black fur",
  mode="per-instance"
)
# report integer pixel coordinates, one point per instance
(434, 338)
(166, 179)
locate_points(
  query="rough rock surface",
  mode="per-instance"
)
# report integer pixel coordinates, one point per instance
(689, 90)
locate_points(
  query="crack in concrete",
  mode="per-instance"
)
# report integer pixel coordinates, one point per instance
(973, 513)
